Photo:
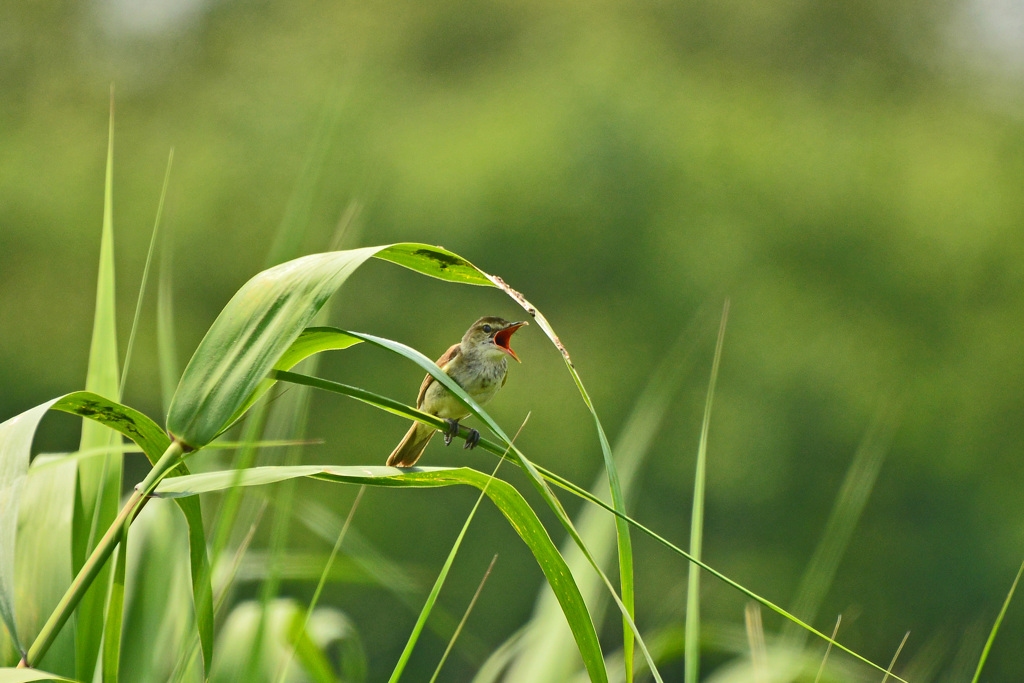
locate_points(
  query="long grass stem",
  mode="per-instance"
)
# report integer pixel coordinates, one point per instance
(100, 554)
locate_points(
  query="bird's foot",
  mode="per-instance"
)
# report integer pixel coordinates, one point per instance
(451, 432)
(472, 440)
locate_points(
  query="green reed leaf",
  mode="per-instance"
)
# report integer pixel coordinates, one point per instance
(507, 499)
(16, 436)
(99, 480)
(262, 321)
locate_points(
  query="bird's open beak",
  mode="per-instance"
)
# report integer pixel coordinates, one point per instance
(503, 337)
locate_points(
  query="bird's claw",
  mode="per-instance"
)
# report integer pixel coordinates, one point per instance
(451, 432)
(472, 439)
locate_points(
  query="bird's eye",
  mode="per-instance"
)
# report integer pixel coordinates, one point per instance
(487, 329)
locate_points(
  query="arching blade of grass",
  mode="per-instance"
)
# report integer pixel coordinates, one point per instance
(692, 659)
(270, 311)
(399, 408)
(509, 502)
(542, 652)
(996, 625)
(517, 456)
(262, 321)
(99, 481)
(625, 546)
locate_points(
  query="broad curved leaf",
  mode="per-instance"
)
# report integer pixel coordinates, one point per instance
(310, 341)
(508, 500)
(535, 478)
(16, 436)
(264, 318)
(270, 311)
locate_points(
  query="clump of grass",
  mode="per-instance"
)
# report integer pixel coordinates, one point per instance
(261, 334)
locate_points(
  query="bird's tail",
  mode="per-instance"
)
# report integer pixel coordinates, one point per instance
(411, 448)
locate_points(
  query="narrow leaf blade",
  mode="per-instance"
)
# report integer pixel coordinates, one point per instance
(99, 479)
(508, 500)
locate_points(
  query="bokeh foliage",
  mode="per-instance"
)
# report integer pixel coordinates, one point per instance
(835, 170)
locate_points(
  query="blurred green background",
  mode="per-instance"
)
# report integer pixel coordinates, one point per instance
(849, 175)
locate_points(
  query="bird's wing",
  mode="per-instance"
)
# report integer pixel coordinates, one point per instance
(444, 360)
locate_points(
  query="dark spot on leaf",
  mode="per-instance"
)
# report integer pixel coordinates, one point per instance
(108, 415)
(443, 261)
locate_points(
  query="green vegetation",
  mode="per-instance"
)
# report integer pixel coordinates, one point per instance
(262, 328)
(847, 177)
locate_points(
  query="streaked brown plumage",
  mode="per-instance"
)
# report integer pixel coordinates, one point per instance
(478, 364)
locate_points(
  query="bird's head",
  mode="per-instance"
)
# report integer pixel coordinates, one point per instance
(491, 336)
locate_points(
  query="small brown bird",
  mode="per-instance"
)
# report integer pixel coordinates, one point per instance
(479, 366)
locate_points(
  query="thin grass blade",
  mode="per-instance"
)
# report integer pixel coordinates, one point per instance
(436, 589)
(996, 625)
(828, 650)
(465, 618)
(692, 659)
(99, 480)
(846, 511)
(145, 275)
(545, 652)
(166, 339)
(323, 579)
(625, 546)
(758, 647)
(115, 615)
